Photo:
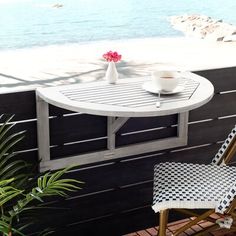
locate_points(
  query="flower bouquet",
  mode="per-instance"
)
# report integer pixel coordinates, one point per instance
(111, 73)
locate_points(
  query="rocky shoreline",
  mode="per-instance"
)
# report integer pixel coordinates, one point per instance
(204, 27)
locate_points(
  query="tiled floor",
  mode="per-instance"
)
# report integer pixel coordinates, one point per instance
(172, 227)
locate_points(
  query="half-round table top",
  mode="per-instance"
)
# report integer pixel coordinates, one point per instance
(127, 98)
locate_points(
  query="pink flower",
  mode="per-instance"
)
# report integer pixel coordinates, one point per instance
(112, 56)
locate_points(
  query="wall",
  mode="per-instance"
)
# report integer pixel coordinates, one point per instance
(117, 195)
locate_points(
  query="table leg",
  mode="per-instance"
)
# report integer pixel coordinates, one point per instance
(183, 126)
(43, 129)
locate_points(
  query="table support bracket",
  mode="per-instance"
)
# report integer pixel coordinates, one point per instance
(113, 125)
(113, 152)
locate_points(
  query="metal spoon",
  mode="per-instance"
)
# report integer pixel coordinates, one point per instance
(158, 103)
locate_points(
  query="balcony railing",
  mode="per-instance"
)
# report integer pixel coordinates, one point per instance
(117, 195)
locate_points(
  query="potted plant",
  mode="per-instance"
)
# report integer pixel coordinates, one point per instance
(15, 196)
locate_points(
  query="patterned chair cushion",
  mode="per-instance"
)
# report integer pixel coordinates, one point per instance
(193, 186)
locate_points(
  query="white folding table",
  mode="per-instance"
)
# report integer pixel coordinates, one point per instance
(119, 102)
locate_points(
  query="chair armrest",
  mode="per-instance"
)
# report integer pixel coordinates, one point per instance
(224, 155)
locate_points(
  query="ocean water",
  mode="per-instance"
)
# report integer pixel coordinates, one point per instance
(29, 23)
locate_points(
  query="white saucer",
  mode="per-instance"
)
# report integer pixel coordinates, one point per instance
(148, 86)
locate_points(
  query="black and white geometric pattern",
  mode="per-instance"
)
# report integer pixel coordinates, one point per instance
(193, 186)
(227, 199)
(217, 160)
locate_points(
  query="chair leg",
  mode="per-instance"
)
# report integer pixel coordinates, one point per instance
(163, 222)
(193, 222)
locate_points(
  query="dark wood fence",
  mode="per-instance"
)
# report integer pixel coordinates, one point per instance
(117, 195)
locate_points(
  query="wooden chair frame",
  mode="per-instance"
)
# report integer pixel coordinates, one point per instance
(163, 219)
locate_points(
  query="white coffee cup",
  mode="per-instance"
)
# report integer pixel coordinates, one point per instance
(165, 80)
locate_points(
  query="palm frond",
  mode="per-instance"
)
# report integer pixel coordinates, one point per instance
(17, 232)
(5, 182)
(51, 184)
(12, 169)
(12, 177)
(5, 124)
(10, 142)
(4, 227)
(7, 193)
(46, 232)
(9, 167)
(6, 159)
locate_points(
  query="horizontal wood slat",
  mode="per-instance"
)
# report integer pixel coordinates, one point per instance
(78, 148)
(145, 136)
(76, 128)
(220, 105)
(116, 200)
(105, 203)
(134, 171)
(30, 135)
(57, 111)
(223, 79)
(210, 131)
(116, 224)
(142, 123)
(29, 156)
(22, 104)
(125, 95)
(85, 127)
(112, 225)
(119, 224)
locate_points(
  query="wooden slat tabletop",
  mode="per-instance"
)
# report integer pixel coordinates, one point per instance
(128, 95)
(127, 98)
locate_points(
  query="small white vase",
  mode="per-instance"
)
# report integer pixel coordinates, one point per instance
(111, 73)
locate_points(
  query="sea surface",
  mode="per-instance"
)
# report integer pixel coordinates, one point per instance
(30, 23)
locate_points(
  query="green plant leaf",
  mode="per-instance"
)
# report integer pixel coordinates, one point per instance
(39, 190)
(6, 159)
(45, 178)
(12, 168)
(4, 227)
(20, 203)
(5, 123)
(5, 182)
(48, 184)
(40, 184)
(17, 231)
(8, 196)
(55, 176)
(5, 218)
(46, 232)
(9, 143)
(25, 226)
(36, 197)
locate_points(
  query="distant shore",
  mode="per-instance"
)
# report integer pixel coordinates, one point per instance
(204, 27)
(24, 69)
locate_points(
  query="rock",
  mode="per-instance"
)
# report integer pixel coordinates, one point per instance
(204, 27)
(230, 38)
(57, 5)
